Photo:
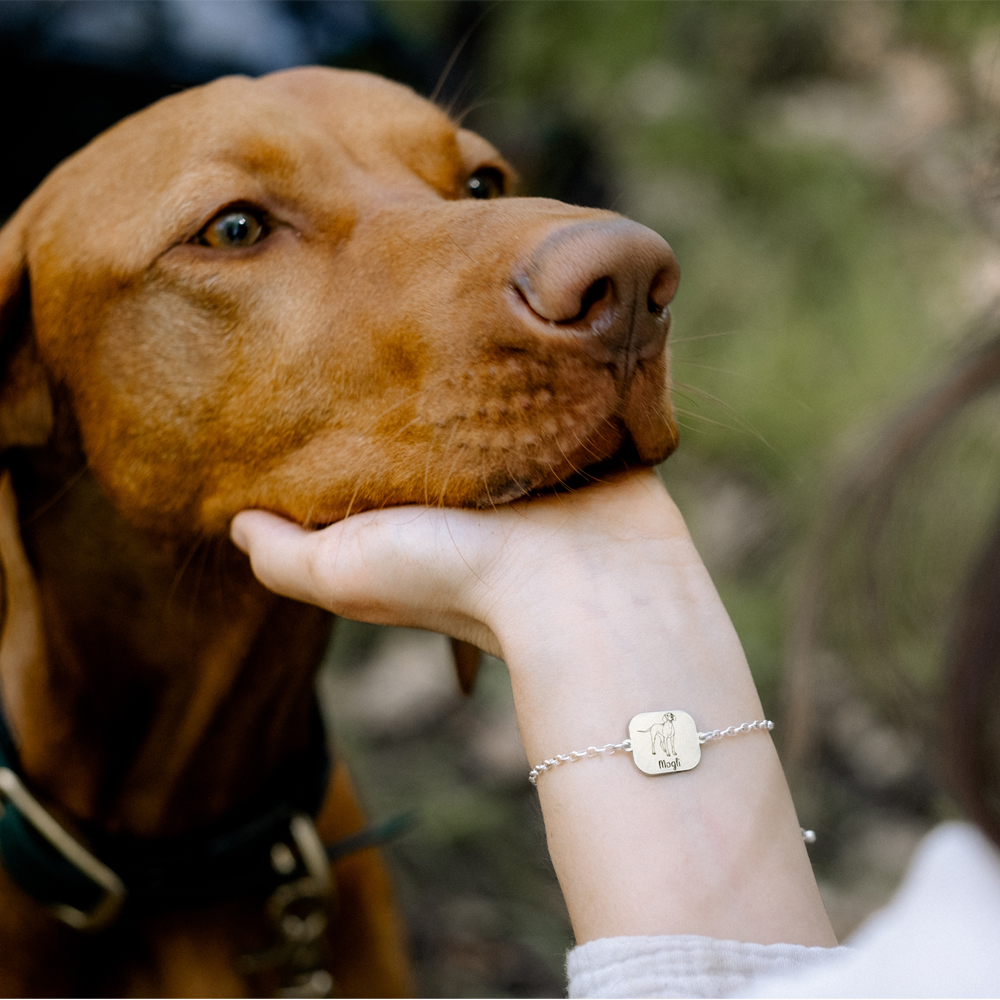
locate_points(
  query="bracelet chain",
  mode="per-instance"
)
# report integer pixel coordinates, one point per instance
(626, 745)
(573, 755)
(746, 727)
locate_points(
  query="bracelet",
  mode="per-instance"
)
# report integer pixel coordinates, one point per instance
(670, 742)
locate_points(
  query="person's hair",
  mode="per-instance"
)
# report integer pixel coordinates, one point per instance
(962, 708)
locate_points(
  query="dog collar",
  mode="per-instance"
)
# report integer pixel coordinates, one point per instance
(268, 842)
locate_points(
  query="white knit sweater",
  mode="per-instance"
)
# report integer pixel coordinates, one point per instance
(939, 937)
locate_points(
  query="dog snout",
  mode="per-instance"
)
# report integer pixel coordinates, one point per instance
(607, 284)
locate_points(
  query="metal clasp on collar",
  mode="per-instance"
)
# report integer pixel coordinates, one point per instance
(300, 910)
(12, 789)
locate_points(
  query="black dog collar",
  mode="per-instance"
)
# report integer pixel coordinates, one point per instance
(255, 848)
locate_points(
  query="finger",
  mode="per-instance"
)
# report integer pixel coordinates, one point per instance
(283, 555)
(359, 567)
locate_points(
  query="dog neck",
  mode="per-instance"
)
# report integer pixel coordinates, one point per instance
(152, 683)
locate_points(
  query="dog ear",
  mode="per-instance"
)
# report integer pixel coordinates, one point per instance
(22, 636)
(25, 398)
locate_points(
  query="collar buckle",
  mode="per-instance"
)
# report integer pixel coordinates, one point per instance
(107, 908)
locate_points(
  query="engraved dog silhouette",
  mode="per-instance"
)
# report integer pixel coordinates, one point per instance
(662, 733)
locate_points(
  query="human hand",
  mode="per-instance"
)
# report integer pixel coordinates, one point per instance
(485, 576)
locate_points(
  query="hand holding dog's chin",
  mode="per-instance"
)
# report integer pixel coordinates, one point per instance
(505, 579)
(597, 599)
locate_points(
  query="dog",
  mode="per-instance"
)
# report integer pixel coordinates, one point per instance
(662, 734)
(311, 293)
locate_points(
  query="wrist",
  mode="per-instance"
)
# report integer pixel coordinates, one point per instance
(636, 641)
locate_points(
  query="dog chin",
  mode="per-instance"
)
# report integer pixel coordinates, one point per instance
(647, 414)
(653, 440)
(653, 444)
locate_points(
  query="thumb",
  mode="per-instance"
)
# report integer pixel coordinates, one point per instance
(397, 566)
(283, 555)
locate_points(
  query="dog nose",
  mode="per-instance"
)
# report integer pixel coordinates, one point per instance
(607, 284)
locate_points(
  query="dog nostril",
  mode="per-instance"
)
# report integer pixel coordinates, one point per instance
(593, 277)
(662, 289)
(595, 293)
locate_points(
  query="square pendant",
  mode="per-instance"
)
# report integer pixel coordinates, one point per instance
(664, 742)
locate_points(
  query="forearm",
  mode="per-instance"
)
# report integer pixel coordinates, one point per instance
(602, 608)
(715, 850)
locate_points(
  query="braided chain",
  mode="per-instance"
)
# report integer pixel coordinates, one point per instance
(568, 758)
(626, 745)
(717, 734)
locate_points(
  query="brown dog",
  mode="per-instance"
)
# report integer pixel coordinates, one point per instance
(301, 293)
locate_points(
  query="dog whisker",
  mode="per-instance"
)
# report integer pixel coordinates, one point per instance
(447, 478)
(57, 496)
(459, 90)
(219, 545)
(308, 521)
(427, 467)
(486, 485)
(743, 424)
(691, 428)
(458, 117)
(456, 52)
(701, 416)
(574, 469)
(744, 375)
(458, 549)
(350, 504)
(705, 336)
(712, 368)
(181, 569)
(204, 546)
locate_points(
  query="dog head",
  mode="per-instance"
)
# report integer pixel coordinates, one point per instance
(310, 293)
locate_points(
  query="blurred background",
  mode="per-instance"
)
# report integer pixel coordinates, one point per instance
(826, 173)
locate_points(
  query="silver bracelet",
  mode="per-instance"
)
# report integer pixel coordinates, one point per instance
(660, 743)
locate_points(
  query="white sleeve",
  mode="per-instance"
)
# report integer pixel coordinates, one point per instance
(937, 938)
(682, 966)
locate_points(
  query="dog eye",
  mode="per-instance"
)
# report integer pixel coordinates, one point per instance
(233, 228)
(486, 182)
